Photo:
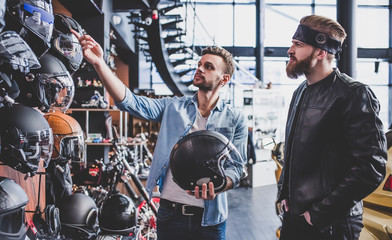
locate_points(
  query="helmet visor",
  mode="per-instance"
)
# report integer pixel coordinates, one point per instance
(72, 148)
(59, 89)
(12, 223)
(37, 19)
(38, 144)
(15, 51)
(68, 46)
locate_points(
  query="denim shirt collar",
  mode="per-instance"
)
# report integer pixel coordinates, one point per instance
(218, 105)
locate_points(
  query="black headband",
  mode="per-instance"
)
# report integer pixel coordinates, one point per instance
(317, 39)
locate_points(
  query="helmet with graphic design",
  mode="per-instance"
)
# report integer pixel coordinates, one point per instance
(33, 21)
(15, 55)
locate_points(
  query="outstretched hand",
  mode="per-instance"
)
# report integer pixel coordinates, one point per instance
(92, 51)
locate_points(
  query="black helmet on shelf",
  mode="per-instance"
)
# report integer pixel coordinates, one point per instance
(33, 20)
(50, 87)
(78, 210)
(25, 137)
(13, 200)
(199, 158)
(65, 45)
(117, 215)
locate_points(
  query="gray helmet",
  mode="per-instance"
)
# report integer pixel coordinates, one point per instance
(13, 200)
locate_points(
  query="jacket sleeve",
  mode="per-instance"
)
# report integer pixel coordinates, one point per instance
(367, 153)
(143, 107)
(235, 170)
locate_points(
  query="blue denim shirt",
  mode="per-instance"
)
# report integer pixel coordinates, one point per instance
(177, 116)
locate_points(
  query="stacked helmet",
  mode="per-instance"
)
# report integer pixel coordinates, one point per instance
(68, 138)
(117, 215)
(51, 86)
(78, 216)
(65, 45)
(2, 13)
(33, 20)
(25, 137)
(15, 55)
(199, 158)
(13, 200)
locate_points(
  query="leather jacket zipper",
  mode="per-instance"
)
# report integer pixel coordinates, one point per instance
(291, 136)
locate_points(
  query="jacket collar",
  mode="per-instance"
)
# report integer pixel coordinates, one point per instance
(328, 78)
(218, 106)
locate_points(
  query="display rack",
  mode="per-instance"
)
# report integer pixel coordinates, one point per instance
(123, 128)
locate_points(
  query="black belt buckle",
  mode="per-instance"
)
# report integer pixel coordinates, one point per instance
(185, 212)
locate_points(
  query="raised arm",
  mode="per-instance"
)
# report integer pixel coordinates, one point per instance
(93, 53)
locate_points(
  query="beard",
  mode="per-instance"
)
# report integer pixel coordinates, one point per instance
(206, 86)
(298, 68)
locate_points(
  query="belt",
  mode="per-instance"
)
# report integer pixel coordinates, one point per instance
(186, 210)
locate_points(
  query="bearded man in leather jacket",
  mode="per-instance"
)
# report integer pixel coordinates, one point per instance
(335, 151)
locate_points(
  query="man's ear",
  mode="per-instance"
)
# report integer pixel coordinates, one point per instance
(225, 79)
(322, 54)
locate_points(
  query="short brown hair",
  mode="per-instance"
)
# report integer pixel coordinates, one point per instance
(325, 25)
(224, 54)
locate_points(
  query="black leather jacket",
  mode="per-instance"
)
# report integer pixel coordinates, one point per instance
(335, 151)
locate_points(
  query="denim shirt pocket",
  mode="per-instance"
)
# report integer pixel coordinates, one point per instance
(228, 132)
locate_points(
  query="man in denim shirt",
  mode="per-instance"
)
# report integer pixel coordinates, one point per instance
(206, 218)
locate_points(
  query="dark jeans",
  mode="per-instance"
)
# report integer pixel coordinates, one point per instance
(296, 228)
(172, 225)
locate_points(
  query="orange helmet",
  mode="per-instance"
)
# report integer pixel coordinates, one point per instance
(68, 138)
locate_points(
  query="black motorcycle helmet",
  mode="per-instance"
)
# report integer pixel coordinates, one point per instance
(117, 215)
(78, 211)
(33, 20)
(25, 137)
(13, 201)
(50, 87)
(199, 158)
(65, 45)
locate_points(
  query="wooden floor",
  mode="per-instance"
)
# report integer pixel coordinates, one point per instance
(252, 213)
